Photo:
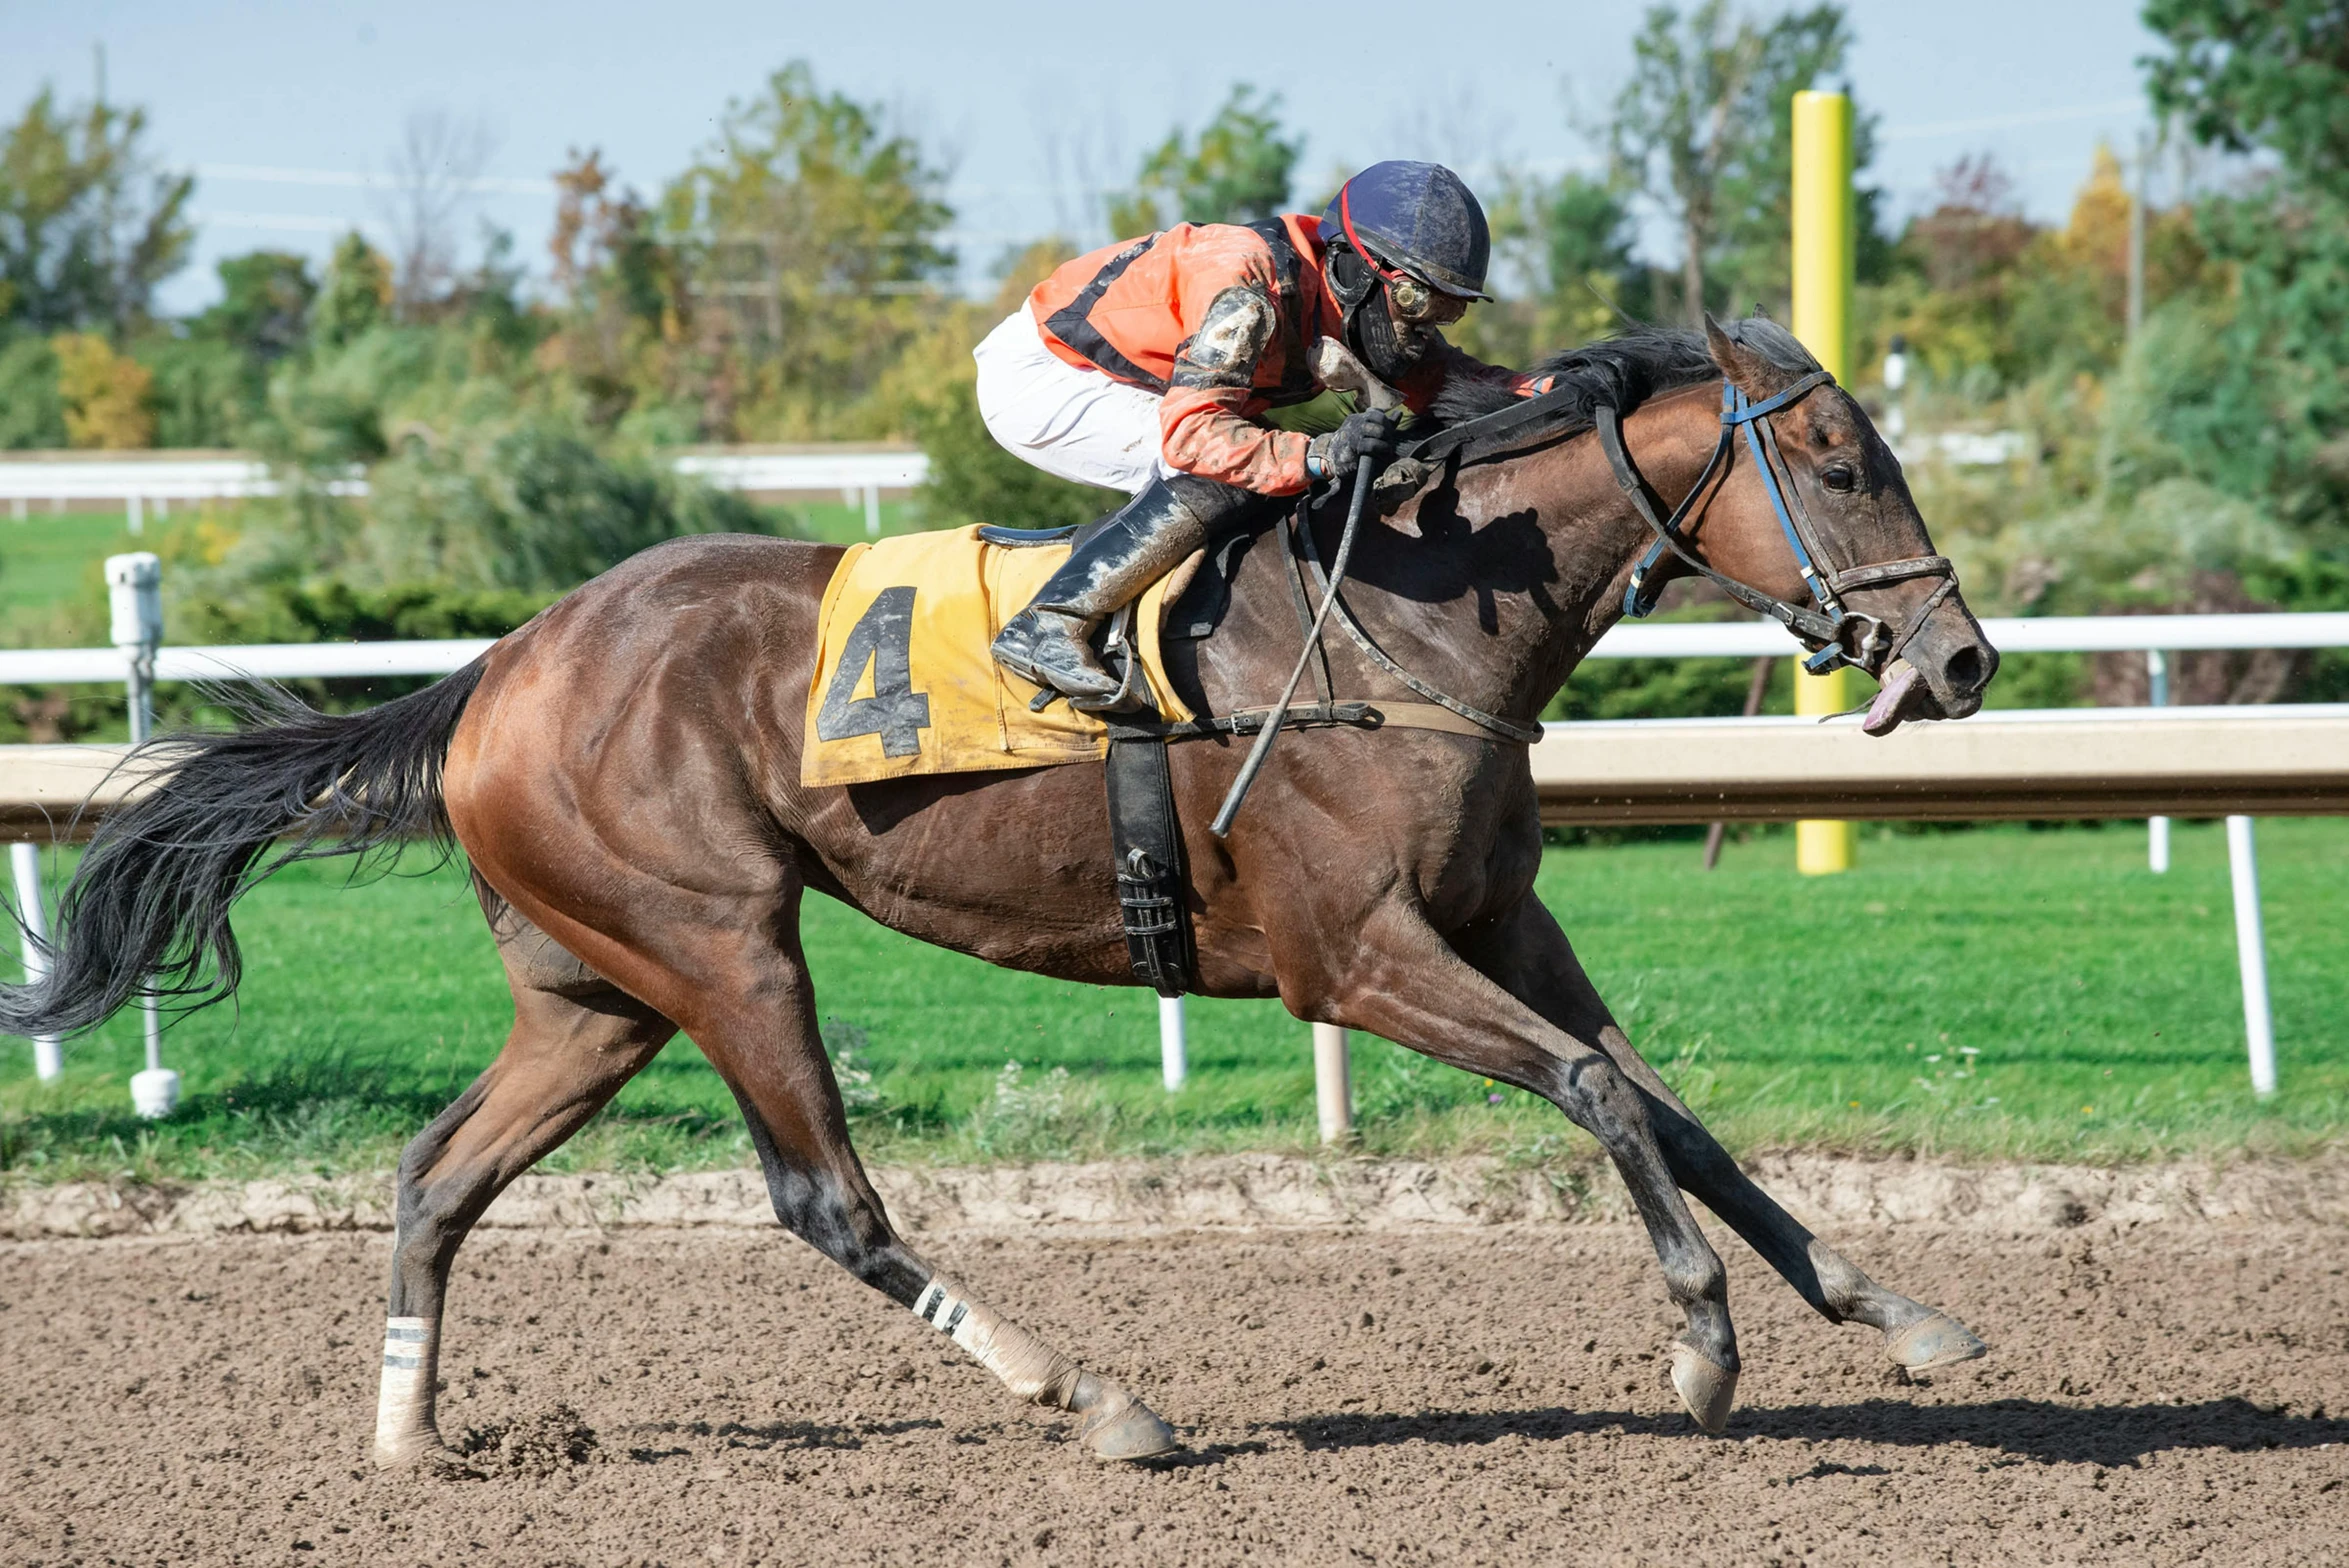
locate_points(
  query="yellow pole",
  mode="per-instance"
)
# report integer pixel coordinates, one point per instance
(1822, 319)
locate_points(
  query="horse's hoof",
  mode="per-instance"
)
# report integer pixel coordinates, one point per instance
(407, 1451)
(1933, 1341)
(1707, 1390)
(1134, 1432)
(427, 1457)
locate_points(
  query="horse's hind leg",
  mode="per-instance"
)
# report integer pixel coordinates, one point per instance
(1527, 952)
(575, 1041)
(763, 1040)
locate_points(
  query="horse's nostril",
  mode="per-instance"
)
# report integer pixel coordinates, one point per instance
(1964, 669)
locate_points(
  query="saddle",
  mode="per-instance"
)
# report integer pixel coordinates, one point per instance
(903, 682)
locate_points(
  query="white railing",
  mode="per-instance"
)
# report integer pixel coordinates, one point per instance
(138, 483)
(1635, 640)
(2083, 730)
(2049, 634)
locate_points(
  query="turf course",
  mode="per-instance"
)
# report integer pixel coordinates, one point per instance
(1995, 993)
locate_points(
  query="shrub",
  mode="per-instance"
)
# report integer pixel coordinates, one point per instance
(32, 411)
(105, 394)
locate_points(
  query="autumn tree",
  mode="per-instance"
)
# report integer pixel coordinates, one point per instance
(617, 285)
(105, 394)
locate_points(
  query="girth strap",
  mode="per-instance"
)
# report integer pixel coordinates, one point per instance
(1146, 840)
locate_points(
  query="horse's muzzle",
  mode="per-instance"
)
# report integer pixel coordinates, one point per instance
(1941, 674)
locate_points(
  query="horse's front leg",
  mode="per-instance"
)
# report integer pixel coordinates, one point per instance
(1526, 953)
(1402, 980)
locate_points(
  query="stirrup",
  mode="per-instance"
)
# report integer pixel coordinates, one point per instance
(1119, 641)
(1131, 693)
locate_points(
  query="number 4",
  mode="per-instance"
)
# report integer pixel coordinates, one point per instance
(882, 638)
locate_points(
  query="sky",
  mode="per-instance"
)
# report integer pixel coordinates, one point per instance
(287, 111)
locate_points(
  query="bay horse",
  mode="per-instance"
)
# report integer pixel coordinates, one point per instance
(623, 773)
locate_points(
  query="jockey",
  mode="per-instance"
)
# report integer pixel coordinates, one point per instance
(1151, 366)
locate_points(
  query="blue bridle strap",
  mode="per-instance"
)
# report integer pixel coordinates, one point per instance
(1737, 409)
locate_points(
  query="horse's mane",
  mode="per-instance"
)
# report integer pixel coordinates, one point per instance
(1623, 371)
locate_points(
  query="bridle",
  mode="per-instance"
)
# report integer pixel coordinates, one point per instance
(1835, 634)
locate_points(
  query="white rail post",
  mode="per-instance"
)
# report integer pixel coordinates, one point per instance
(2157, 829)
(2251, 953)
(138, 517)
(872, 511)
(1333, 1083)
(134, 592)
(25, 860)
(1174, 1063)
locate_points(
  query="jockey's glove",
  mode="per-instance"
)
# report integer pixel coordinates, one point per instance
(1369, 433)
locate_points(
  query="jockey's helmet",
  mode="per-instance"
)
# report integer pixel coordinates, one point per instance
(1418, 219)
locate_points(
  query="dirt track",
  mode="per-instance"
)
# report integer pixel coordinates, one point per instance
(1458, 1395)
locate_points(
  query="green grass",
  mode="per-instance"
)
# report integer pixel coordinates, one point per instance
(53, 559)
(1986, 994)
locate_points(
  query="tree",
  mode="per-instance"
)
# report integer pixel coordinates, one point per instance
(1975, 231)
(1238, 172)
(264, 306)
(618, 285)
(87, 228)
(1568, 242)
(435, 172)
(972, 478)
(808, 235)
(2273, 75)
(357, 295)
(2249, 74)
(105, 394)
(1705, 127)
(31, 412)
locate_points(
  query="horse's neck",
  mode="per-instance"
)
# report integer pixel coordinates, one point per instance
(1517, 568)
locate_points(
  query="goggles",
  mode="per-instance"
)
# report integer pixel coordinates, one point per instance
(1420, 304)
(1416, 301)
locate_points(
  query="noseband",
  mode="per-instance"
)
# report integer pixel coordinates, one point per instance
(1835, 634)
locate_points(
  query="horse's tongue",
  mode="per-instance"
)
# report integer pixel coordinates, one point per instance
(1884, 713)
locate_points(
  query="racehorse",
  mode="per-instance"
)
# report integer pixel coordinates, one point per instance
(623, 773)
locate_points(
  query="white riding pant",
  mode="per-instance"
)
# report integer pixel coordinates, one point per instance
(1075, 423)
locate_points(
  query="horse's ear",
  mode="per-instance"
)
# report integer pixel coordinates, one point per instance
(1748, 371)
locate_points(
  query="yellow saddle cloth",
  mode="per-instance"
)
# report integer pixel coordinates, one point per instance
(904, 683)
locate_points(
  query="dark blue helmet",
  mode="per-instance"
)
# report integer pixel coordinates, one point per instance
(1419, 218)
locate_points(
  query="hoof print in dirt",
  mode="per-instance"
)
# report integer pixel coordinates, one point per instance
(540, 1445)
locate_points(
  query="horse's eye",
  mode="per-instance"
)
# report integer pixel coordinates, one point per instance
(1840, 479)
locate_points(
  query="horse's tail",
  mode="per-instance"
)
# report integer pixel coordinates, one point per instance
(147, 910)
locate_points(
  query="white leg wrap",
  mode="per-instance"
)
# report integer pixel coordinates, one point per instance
(403, 1408)
(1028, 1367)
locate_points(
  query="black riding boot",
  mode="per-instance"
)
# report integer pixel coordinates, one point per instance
(1048, 643)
